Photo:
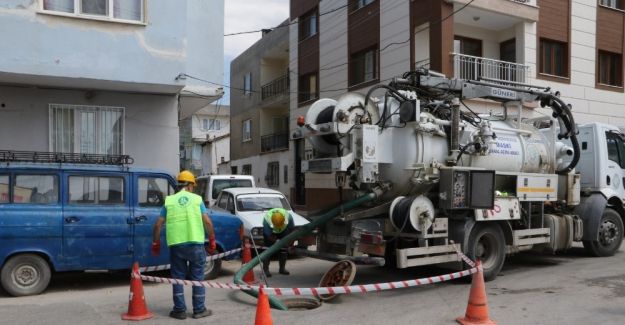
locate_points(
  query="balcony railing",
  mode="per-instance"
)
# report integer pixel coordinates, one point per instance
(474, 68)
(275, 87)
(273, 142)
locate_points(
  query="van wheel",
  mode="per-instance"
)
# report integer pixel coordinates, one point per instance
(25, 275)
(487, 244)
(212, 269)
(609, 235)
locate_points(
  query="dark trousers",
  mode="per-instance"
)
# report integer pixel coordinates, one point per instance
(187, 263)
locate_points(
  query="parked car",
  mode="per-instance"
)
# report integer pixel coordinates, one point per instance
(58, 217)
(251, 203)
(209, 186)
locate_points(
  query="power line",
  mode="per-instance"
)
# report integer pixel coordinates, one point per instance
(345, 63)
(284, 25)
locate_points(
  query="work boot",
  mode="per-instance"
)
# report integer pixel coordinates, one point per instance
(282, 261)
(178, 314)
(266, 269)
(205, 313)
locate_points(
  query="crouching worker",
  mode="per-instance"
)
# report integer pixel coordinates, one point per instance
(187, 221)
(278, 223)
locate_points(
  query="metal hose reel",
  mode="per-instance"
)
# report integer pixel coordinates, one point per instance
(412, 214)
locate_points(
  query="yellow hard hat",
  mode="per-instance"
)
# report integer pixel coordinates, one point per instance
(186, 176)
(277, 219)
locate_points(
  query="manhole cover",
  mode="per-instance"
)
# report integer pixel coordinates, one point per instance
(298, 304)
(341, 274)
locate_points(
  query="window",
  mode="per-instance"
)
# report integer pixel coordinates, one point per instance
(223, 201)
(4, 188)
(153, 190)
(247, 84)
(553, 58)
(220, 184)
(246, 170)
(212, 124)
(286, 174)
(468, 46)
(261, 202)
(308, 25)
(96, 190)
(357, 4)
(234, 170)
(616, 4)
(86, 129)
(616, 148)
(205, 124)
(610, 69)
(115, 10)
(247, 131)
(308, 87)
(363, 66)
(273, 174)
(37, 189)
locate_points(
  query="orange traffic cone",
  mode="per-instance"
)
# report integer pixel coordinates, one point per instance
(245, 258)
(477, 308)
(137, 309)
(263, 312)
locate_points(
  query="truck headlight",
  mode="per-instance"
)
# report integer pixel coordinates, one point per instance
(257, 231)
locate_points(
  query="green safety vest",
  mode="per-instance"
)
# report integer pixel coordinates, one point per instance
(268, 220)
(184, 219)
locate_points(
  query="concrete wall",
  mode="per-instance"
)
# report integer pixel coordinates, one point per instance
(177, 37)
(151, 128)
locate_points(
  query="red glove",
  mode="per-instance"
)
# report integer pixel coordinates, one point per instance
(156, 248)
(212, 244)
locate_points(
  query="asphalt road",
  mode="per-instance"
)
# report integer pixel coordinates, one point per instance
(571, 288)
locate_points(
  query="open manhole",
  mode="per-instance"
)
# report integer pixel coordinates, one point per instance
(341, 274)
(298, 304)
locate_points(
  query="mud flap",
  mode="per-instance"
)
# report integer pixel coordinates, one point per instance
(590, 210)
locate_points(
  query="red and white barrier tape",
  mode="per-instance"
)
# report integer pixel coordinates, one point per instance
(208, 259)
(465, 258)
(362, 288)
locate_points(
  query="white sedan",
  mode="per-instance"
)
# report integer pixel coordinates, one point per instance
(251, 204)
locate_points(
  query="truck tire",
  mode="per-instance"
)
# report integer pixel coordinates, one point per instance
(25, 275)
(609, 235)
(212, 269)
(487, 244)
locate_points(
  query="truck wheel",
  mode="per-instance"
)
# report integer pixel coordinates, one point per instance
(487, 244)
(609, 234)
(212, 269)
(25, 275)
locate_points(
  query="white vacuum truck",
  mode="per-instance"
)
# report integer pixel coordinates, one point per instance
(490, 184)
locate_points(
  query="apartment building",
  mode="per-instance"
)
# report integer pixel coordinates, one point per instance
(259, 108)
(106, 76)
(573, 46)
(205, 140)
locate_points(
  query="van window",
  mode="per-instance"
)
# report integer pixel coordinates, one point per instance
(200, 189)
(230, 203)
(36, 189)
(153, 190)
(4, 188)
(96, 190)
(220, 184)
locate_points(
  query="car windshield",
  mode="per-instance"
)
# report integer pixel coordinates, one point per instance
(260, 202)
(220, 184)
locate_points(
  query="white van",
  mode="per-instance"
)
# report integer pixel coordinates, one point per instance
(209, 186)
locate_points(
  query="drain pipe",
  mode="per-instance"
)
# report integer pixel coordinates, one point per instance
(302, 231)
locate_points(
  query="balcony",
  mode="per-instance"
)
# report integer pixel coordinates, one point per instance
(474, 68)
(279, 86)
(274, 142)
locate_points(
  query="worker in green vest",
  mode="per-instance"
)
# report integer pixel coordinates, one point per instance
(277, 224)
(186, 219)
